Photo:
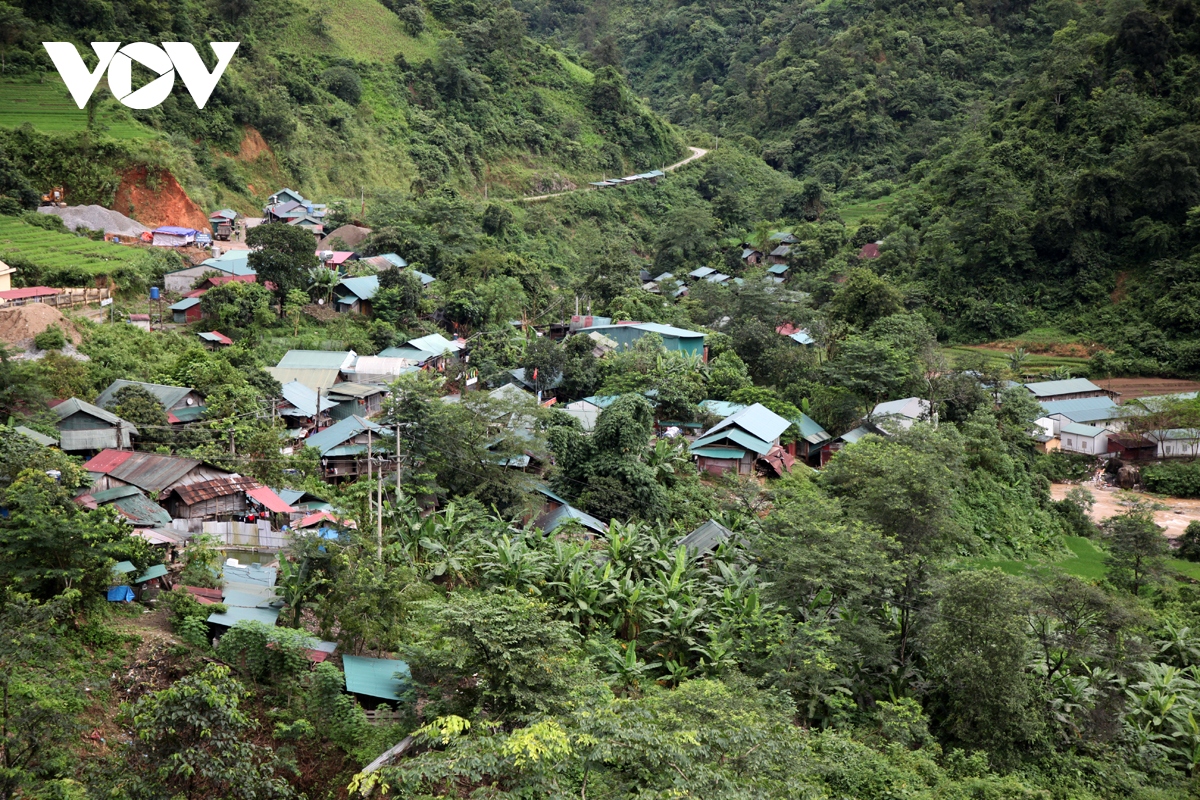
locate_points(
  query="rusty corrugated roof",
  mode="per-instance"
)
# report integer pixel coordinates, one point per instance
(194, 493)
(149, 471)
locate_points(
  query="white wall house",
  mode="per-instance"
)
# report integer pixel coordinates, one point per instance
(1086, 439)
(1179, 443)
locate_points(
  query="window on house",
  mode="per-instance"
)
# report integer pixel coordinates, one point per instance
(1085, 443)
(1070, 442)
(1168, 449)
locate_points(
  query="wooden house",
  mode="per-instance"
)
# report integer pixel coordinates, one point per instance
(349, 399)
(186, 311)
(738, 442)
(344, 447)
(182, 404)
(151, 472)
(85, 428)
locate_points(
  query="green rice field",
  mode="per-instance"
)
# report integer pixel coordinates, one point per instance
(49, 249)
(49, 108)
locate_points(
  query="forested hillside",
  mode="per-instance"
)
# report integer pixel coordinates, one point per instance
(776, 475)
(346, 96)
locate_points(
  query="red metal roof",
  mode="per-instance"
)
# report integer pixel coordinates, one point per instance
(270, 500)
(786, 329)
(316, 656)
(106, 461)
(869, 250)
(198, 591)
(222, 338)
(30, 291)
(322, 516)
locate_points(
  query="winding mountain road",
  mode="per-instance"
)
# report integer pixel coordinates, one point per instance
(696, 153)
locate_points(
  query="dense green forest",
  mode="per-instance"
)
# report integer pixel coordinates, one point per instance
(919, 618)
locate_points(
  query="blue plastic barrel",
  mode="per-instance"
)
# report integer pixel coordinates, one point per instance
(153, 292)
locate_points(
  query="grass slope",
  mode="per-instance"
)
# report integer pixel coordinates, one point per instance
(49, 249)
(361, 30)
(48, 107)
(1086, 561)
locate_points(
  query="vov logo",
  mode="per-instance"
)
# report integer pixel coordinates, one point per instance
(163, 61)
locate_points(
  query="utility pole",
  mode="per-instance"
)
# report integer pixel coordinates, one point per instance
(368, 454)
(379, 515)
(232, 444)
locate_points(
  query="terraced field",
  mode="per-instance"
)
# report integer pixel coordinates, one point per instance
(49, 249)
(49, 108)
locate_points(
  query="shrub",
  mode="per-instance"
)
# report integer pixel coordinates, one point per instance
(265, 653)
(341, 82)
(1176, 480)
(1189, 543)
(1059, 466)
(51, 222)
(50, 339)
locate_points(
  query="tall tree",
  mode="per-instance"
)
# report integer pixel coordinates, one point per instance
(284, 255)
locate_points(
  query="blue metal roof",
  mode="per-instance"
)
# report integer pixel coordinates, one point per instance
(850, 437)
(1069, 386)
(236, 614)
(802, 337)
(303, 398)
(434, 343)
(375, 677)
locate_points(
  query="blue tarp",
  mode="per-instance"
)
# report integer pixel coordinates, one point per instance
(120, 594)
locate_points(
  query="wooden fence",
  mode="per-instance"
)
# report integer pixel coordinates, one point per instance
(384, 715)
(67, 298)
(249, 535)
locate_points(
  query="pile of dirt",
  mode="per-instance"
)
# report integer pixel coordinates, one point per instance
(96, 218)
(157, 200)
(20, 324)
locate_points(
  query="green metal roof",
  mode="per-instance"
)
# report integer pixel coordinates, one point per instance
(736, 436)
(314, 359)
(123, 567)
(40, 438)
(167, 395)
(810, 431)
(344, 431)
(375, 677)
(1077, 429)
(157, 571)
(1068, 386)
(718, 452)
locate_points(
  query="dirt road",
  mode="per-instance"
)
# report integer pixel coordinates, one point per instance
(696, 153)
(1174, 518)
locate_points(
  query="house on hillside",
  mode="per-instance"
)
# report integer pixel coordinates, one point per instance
(173, 236)
(1085, 439)
(1069, 389)
(869, 251)
(344, 446)
(131, 503)
(738, 442)
(182, 404)
(813, 446)
(85, 428)
(800, 336)
(778, 272)
(900, 414)
(690, 343)
(751, 256)
(214, 340)
(349, 399)
(380, 369)
(152, 473)
(429, 351)
(234, 262)
(700, 273)
(556, 512)
(780, 254)
(303, 409)
(227, 497)
(706, 538)
(1099, 411)
(355, 294)
(186, 311)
